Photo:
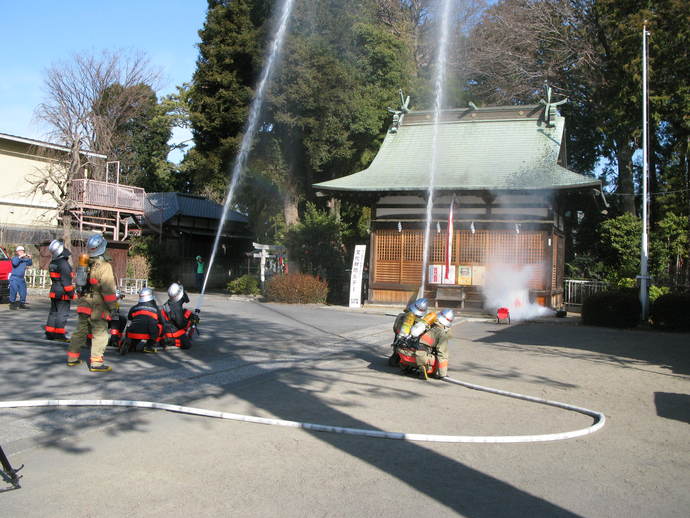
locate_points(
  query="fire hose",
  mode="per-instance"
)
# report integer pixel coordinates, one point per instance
(599, 418)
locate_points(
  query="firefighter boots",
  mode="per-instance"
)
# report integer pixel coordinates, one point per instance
(100, 368)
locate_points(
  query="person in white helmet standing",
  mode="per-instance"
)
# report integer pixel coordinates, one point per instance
(97, 304)
(20, 262)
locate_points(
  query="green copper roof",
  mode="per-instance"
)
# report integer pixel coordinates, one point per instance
(503, 148)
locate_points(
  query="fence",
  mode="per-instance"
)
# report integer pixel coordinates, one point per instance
(36, 278)
(132, 286)
(40, 279)
(576, 291)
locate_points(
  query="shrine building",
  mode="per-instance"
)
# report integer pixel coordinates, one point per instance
(503, 168)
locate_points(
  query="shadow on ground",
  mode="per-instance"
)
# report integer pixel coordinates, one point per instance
(673, 406)
(632, 348)
(220, 351)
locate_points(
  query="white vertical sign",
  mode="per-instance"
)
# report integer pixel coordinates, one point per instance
(356, 276)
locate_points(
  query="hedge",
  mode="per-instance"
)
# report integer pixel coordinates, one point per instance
(671, 312)
(296, 288)
(619, 309)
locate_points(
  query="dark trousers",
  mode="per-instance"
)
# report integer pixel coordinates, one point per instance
(57, 318)
(199, 281)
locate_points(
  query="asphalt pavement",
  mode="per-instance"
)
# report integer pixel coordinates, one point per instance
(326, 364)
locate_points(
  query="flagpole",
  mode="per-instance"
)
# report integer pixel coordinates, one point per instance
(644, 248)
(449, 240)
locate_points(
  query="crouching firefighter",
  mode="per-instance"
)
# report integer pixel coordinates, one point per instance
(96, 305)
(413, 313)
(433, 342)
(61, 291)
(145, 324)
(179, 323)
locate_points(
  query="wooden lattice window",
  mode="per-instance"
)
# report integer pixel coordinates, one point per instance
(388, 245)
(413, 248)
(399, 254)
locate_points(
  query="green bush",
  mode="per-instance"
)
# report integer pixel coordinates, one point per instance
(316, 245)
(671, 312)
(619, 309)
(245, 285)
(657, 291)
(296, 288)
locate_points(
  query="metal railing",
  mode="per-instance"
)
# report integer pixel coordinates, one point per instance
(40, 279)
(132, 286)
(36, 278)
(576, 291)
(109, 195)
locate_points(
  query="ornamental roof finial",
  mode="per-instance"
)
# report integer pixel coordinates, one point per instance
(548, 105)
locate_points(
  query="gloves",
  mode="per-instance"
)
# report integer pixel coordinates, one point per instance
(194, 319)
(115, 314)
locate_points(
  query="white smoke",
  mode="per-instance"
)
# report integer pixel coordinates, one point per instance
(507, 285)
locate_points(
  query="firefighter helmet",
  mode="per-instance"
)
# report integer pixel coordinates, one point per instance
(95, 245)
(175, 291)
(145, 295)
(418, 307)
(445, 317)
(56, 248)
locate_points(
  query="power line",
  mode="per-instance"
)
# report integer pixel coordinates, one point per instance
(660, 193)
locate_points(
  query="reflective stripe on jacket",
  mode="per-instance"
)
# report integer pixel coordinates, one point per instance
(100, 298)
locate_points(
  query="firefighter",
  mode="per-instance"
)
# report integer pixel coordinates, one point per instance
(116, 326)
(146, 323)
(61, 291)
(96, 305)
(413, 313)
(179, 322)
(435, 341)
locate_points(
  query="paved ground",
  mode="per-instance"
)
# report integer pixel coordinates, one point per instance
(328, 365)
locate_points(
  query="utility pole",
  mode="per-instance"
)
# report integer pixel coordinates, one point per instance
(644, 249)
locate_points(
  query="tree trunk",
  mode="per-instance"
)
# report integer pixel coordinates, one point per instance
(625, 178)
(685, 164)
(290, 212)
(67, 229)
(334, 205)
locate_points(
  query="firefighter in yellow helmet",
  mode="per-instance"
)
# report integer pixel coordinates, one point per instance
(97, 304)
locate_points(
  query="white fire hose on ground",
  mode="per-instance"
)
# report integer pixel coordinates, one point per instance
(599, 418)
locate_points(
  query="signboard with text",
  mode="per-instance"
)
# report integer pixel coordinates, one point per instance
(356, 276)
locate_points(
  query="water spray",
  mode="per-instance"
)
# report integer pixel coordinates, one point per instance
(249, 132)
(439, 83)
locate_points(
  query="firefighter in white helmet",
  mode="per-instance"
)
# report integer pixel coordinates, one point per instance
(179, 321)
(436, 343)
(146, 323)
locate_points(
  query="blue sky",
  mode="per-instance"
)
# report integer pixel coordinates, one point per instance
(36, 34)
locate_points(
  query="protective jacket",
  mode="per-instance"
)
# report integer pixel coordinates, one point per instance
(177, 322)
(146, 322)
(100, 298)
(434, 341)
(95, 303)
(61, 277)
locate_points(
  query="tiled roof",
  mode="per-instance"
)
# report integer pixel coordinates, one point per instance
(162, 206)
(503, 148)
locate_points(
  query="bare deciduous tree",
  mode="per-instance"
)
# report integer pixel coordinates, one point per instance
(520, 43)
(87, 99)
